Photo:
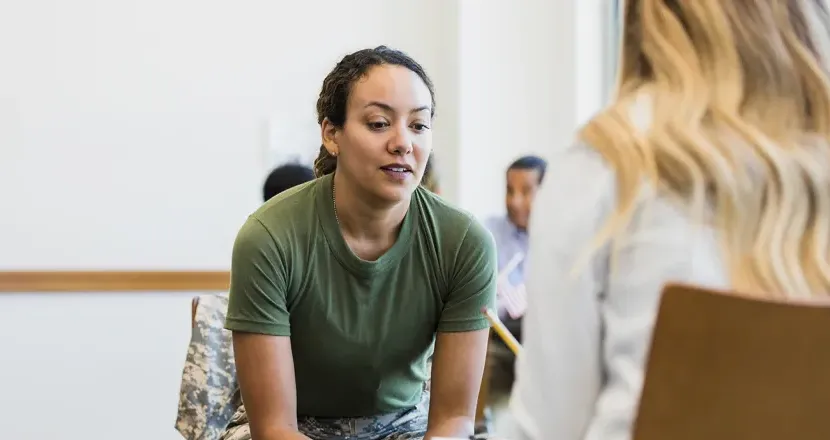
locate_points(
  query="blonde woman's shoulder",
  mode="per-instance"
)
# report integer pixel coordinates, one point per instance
(575, 200)
(578, 169)
(552, 399)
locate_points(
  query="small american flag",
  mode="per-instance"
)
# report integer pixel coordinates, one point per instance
(513, 299)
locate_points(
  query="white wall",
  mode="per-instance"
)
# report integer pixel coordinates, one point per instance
(531, 75)
(136, 134)
(149, 119)
(92, 366)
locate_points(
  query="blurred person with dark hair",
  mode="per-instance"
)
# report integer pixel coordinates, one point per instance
(285, 177)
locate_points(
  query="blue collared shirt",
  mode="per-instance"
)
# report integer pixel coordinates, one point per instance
(510, 240)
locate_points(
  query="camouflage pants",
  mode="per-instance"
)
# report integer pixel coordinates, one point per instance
(410, 424)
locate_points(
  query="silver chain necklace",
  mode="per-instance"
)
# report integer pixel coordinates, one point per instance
(334, 202)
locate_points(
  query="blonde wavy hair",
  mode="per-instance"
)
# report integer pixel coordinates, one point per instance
(739, 131)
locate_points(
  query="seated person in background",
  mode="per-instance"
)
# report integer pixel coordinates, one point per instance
(285, 177)
(708, 168)
(524, 176)
(430, 180)
(341, 287)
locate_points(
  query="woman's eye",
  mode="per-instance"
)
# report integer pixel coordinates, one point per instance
(420, 127)
(377, 125)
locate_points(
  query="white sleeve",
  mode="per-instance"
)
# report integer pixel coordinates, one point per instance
(559, 374)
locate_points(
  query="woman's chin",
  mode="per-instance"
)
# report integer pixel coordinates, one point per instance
(394, 194)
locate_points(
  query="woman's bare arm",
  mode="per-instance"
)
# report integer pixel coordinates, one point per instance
(457, 368)
(265, 370)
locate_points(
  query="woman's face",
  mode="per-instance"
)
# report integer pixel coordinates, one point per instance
(386, 140)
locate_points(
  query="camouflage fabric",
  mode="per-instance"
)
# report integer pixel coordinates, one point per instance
(408, 424)
(209, 392)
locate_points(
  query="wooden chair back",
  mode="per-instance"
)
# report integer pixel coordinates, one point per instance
(723, 366)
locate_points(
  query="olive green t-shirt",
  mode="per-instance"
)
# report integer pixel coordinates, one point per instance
(361, 331)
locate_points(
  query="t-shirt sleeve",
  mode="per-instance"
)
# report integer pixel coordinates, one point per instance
(257, 301)
(472, 283)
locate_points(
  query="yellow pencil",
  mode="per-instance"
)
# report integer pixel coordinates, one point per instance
(502, 331)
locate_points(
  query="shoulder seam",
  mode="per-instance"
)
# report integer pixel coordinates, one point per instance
(470, 220)
(285, 272)
(266, 228)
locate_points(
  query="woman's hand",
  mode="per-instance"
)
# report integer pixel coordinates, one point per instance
(291, 434)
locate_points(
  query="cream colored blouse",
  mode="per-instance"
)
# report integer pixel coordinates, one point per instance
(586, 336)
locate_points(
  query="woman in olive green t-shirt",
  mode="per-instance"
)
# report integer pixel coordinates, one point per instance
(341, 287)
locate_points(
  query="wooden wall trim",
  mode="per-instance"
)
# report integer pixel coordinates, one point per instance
(114, 281)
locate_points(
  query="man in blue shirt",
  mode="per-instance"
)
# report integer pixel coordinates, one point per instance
(524, 176)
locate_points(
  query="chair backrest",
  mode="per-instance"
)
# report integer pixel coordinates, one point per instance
(194, 306)
(209, 392)
(725, 366)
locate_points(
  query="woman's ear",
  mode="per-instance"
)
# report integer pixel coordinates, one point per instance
(328, 132)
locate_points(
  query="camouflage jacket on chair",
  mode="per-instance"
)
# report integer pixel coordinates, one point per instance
(209, 393)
